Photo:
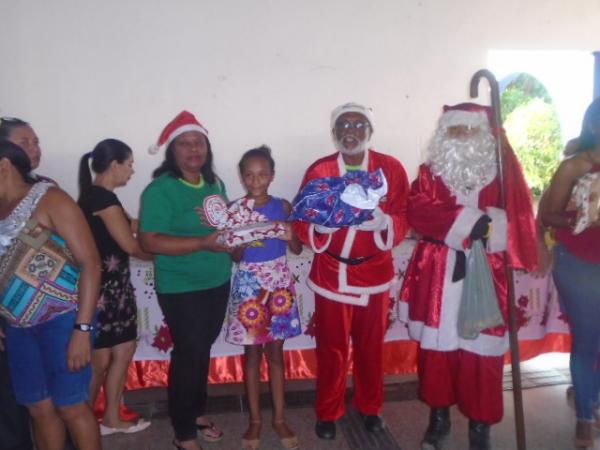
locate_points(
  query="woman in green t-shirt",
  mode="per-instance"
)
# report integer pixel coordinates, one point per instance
(192, 269)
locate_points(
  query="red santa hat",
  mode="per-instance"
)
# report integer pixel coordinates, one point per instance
(522, 242)
(183, 122)
(355, 108)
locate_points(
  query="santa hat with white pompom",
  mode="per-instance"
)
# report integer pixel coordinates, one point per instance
(183, 122)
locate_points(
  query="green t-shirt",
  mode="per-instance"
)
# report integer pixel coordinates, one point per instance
(169, 206)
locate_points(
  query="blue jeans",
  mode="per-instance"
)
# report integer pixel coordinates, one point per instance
(578, 284)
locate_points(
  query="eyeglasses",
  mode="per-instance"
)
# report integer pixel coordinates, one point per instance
(346, 125)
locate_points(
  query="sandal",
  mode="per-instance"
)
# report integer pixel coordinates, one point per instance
(209, 432)
(179, 447)
(289, 443)
(251, 444)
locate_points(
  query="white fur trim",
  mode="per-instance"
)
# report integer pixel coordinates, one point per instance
(348, 242)
(355, 108)
(311, 240)
(184, 129)
(448, 331)
(485, 344)
(445, 338)
(343, 284)
(342, 165)
(403, 314)
(498, 240)
(360, 300)
(155, 148)
(470, 199)
(462, 226)
(343, 268)
(377, 235)
(457, 118)
(367, 289)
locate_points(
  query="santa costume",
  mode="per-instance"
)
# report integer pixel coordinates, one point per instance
(351, 275)
(452, 193)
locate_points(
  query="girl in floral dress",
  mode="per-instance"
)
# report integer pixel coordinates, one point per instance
(262, 308)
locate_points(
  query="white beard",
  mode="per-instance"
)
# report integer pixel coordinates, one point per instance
(465, 165)
(362, 147)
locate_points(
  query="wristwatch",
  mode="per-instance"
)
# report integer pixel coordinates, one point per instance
(87, 327)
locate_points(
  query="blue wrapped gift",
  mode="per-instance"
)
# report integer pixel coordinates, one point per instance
(340, 201)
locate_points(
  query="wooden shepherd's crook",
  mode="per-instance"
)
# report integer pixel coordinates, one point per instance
(512, 316)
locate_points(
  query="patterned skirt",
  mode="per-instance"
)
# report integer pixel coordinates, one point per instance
(262, 304)
(116, 316)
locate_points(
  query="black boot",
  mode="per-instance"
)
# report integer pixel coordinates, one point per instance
(479, 435)
(325, 429)
(373, 423)
(438, 429)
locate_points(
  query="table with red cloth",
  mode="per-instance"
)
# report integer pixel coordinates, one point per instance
(542, 328)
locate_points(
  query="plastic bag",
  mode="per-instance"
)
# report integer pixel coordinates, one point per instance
(479, 303)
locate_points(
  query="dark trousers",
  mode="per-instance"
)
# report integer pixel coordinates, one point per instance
(194, 320)
(14, 419)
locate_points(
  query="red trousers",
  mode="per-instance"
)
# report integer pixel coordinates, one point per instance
(335, 323)
(471, 381)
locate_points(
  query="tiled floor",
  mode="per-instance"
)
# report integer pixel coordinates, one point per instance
(549, 420)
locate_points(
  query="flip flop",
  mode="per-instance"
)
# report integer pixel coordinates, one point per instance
(138, 426)
(209, 432)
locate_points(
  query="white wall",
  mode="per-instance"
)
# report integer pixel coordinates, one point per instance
(256, 71)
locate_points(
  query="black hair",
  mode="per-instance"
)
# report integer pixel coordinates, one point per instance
(18, 158)
(589, 138)
(8, 125)
(259, 152)
(169, 165)
(104, 153)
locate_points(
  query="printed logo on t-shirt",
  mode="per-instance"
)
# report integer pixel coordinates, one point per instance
(215, 209)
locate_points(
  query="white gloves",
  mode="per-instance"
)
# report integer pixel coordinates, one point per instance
(325, 230)
(377, 223)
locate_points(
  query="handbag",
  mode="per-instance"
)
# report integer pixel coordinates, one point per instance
(38, 277)
(479, 302)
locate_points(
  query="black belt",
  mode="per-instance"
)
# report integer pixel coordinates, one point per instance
(350, 261)
(460, 265)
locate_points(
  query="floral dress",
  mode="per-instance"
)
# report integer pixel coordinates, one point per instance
(116, 318)
(262, 302)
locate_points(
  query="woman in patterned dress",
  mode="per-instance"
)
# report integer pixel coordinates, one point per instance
(262, 308)
(116, 320)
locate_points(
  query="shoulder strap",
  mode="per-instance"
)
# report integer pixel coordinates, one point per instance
(31, 200)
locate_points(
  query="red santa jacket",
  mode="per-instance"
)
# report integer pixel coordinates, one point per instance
(430, 299)
(347, 283)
